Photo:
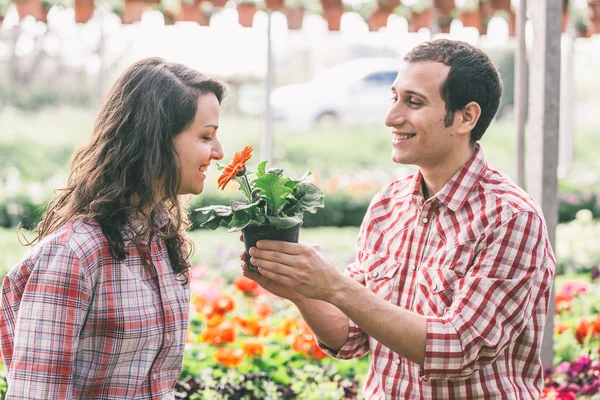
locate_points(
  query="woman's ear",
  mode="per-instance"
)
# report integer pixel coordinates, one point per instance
(468, 117)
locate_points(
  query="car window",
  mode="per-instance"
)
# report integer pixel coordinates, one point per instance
(385, 78)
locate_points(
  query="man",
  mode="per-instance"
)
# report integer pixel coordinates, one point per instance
(451, 283)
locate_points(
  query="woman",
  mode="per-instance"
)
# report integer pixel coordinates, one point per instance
(99, 308)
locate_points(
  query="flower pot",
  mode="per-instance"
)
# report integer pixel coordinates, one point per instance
(33, 8)
(445, 6)
(471, 19)
(274, 4)
(254, 233)
(420, 20)
(192, 12)
(333, 16)
(295, 16)
(84, 9)
(246, 13)
(594, 16)
(378, 19)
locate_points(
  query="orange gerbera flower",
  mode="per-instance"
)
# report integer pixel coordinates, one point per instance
(237, 165)
(253, 347)
(229, 357)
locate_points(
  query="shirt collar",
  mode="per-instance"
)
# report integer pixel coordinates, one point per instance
(136, 227)
(455, 193)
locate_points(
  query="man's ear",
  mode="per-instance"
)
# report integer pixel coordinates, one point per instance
(468, 117)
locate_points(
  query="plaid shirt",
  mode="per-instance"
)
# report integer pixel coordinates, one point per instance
(77, 324)
(476, 261)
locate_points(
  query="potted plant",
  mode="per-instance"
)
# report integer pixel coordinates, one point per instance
(274, 205)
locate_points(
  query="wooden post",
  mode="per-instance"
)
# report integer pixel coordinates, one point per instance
(521, 91)
(266, 143)
(542, 151)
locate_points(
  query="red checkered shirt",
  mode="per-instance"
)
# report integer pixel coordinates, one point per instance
(77, 324)
(476, 261)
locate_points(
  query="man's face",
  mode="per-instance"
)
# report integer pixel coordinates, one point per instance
(419, 134)
(198, 145)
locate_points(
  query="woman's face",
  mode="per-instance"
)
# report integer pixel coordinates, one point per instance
(198, 145)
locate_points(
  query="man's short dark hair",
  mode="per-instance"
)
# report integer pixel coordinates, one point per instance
(472, 77)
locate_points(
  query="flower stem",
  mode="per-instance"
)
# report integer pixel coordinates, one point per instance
(245, 185)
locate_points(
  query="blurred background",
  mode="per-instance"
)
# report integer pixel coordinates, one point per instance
(325, 65)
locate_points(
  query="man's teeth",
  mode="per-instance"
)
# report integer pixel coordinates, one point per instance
(402, 137)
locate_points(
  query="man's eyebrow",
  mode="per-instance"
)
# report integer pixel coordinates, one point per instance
(413, 92)
(416, 93)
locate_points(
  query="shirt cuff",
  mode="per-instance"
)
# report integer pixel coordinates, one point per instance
(444, 356)
(356, 344)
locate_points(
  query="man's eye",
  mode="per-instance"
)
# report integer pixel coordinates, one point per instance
(413, 103)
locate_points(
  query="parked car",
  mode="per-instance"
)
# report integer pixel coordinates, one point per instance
(354, 92)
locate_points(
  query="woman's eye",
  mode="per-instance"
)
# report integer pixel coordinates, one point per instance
(207, 138)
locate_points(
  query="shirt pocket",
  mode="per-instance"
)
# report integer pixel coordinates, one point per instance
(434, 291)
(380, 274)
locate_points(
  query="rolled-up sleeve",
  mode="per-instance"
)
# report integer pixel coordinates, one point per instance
(497, 298)
(357, 343)
(52, 310)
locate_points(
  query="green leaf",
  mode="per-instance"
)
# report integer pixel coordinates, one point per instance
(274, 189)
(239, 221)
(293, 183)
(213, 216)
(285, 222)
(261, 169)
(239, 205)
(309, 196)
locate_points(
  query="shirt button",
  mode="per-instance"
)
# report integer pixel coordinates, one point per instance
(375, 274)
(425, 220)
(413, 267)
(154, 376)
(434, 287)
(397, 361)
(168, 337)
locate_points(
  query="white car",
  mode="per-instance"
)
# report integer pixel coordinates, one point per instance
(354, 93)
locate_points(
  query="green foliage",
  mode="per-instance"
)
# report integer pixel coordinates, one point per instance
(271, 199)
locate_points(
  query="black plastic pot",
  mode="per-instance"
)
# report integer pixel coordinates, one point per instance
(254, 233)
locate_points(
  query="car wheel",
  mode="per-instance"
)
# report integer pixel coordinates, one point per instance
(327, 120)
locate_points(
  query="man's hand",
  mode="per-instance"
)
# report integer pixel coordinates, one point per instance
(294, 265)
(267, 284)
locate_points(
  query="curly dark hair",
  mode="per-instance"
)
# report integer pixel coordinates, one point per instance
(472, 77)
(115, 175)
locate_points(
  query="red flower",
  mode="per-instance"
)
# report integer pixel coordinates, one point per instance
(236, 166)
(583, 330)
(263, 309)
(245, 285)
(219, 306)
